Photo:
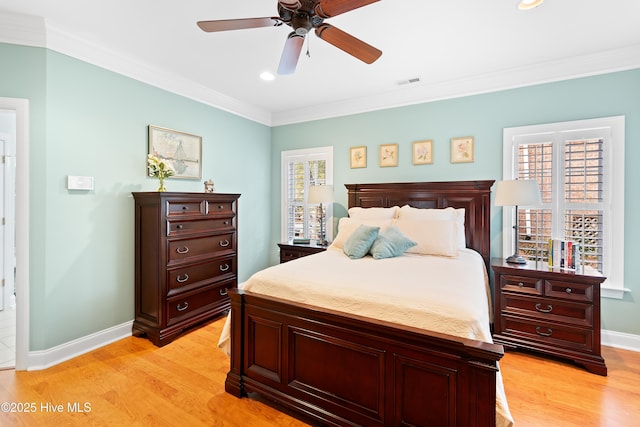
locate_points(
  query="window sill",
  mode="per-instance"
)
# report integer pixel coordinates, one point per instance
(613, 293)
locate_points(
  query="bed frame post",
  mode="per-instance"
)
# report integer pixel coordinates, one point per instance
(234, 383)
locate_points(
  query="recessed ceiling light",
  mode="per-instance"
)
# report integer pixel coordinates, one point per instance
(266, 75)
(529, 4)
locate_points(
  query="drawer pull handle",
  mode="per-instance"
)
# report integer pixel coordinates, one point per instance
(182, 250)
(226, 222)
(182, 279)
(183, 307)
(547, 333)
(184, 208)
(223, 292)
(179, 227)
(544, 310)
(224, 267)
(568, 290)
(220, 206)
(224, 243)
(520, 285)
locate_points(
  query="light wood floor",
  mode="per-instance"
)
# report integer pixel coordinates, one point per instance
(133, 383)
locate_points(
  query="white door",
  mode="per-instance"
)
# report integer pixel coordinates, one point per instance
(7, 221)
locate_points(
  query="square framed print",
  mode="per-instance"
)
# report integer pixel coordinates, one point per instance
(462, 149)
(358, 157)
(388, 155)
(422, 152)
(182, 151)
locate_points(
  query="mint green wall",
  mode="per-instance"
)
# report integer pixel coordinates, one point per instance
(484, 117)
(86, 120)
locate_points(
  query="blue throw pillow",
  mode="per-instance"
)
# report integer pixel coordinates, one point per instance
(390, 243)
(360, 241)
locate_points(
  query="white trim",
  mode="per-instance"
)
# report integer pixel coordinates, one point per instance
(47, 358)
(33, 31)
(22, 283)
(614, 264)
(620, 340)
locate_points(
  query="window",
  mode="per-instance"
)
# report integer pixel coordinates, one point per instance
(300, 170)
(579, 167)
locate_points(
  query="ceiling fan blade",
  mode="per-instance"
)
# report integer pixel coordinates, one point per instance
(348, 43)
(238, 24)
(291, 53)
(329, 8)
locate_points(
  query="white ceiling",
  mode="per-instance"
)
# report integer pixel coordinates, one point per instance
(455, 48)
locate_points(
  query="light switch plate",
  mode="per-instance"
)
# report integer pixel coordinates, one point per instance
(79, 182)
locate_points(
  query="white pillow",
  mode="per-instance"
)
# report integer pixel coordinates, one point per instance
(446, 214)
(374, 213)
(433, 237)
(346, 227)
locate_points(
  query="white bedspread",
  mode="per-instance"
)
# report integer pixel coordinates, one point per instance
(447, 295)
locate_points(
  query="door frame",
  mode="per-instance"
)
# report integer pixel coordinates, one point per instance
(21, 108)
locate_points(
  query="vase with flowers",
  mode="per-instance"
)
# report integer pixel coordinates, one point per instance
(158, 168)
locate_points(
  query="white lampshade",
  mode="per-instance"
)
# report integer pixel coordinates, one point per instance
(320, 194)
(529, 4)
(518, 192)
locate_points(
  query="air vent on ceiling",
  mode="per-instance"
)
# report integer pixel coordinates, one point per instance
(409, 81)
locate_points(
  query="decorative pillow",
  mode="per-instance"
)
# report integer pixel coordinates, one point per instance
(390, 243)
(374, 213)
(438, 214)
(433, 237)
(346, 227)
(360, 241)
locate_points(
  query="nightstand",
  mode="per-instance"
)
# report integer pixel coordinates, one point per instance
(290, 251)
(556, 312)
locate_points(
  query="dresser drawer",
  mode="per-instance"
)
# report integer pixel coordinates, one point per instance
(548, 334)
(521, 284)
(569, 290)
(185, 207)
(546, 309)
(183, 249)
(176, 227)
(183, 279)
(191, 304)
(217, 208)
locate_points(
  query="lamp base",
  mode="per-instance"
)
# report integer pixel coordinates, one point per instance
(516, 259)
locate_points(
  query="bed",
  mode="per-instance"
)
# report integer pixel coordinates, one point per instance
(339, 364)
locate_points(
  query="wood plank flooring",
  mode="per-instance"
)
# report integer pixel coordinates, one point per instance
(133, 383)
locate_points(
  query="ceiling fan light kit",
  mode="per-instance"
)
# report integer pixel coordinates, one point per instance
(529, 4)
(303, 16)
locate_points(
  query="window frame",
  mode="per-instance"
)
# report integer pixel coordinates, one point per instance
(613, 131)
(305, 154)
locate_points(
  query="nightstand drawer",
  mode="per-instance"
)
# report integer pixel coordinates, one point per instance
(521, 284)
(569, 290)
(546, 333)
(548, 309)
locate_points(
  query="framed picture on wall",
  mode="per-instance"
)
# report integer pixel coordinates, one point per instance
(388, 155)
(422, 152)
(462, 150)
(182, 151)
(358, 157)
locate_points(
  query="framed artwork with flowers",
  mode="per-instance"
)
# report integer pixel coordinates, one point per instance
(181, 151)
(462, 150)
(422, 152)
(358, 157)
(388, 155)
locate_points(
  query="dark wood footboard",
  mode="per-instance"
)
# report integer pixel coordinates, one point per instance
(349, 370)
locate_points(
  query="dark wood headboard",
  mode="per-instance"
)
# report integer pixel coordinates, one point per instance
(473, 196)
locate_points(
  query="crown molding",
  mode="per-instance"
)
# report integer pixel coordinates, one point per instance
(621, 59)
(33, 31)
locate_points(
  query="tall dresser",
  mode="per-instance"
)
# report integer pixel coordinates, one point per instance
(186, 258)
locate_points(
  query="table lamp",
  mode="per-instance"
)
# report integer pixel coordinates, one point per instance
(321, 194)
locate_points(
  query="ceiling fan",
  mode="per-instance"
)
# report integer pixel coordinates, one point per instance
(302, 16)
